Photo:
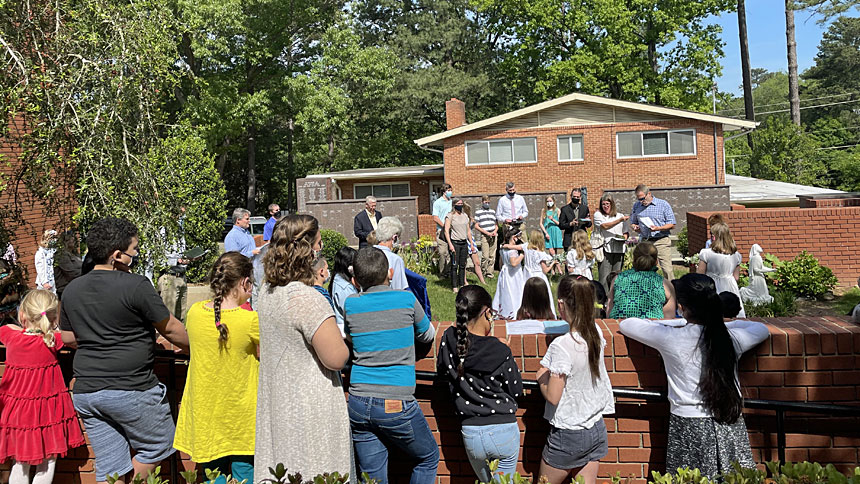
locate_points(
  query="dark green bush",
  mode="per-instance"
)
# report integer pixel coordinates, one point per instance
(804, 276)
(332, 241)
(784, 304)
(683, 243)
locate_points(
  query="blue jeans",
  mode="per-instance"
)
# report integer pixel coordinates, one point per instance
(489, 442)
(374, 431)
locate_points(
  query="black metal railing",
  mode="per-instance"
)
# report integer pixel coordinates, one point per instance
(779, 407)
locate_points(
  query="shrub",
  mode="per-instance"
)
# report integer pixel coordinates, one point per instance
(683, 243)
(418, 254)
(804, 276)
(332, 241)
(783, 304)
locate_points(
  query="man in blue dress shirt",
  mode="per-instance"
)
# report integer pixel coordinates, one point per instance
(274, 210)
(239, 239)
(660, 220)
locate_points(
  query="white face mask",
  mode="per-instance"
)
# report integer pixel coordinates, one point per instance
(549, 204)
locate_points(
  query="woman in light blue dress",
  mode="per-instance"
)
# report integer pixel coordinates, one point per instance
(549, 225)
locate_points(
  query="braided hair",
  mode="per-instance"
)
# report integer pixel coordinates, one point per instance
(470, 302)
(229, 270)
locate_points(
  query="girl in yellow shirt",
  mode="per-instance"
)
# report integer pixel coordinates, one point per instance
(217, 413)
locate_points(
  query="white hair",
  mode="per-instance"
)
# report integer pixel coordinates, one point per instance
(369, 198)
(387, 228)
(239, 213)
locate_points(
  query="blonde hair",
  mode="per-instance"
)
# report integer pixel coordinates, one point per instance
(48, 237)
(582, 246)
(38, 312)
(723, 243)
(543, 211)
(536, 240)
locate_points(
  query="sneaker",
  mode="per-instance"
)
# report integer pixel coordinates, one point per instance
(488, 276)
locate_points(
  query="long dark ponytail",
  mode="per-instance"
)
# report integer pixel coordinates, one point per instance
(227, 272)
(469, 303)
(718, 385)
(577, 295)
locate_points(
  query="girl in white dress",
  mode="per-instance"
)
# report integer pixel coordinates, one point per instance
(721, 262)
(538, 263)
(44, 260)
(580, 257)
(512, 277)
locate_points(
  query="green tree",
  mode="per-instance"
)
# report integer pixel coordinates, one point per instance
(660, 51)
(443, 49)
(783, 152)
(92, 79)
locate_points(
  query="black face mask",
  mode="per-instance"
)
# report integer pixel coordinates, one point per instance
(574, 201)
(458, 208)
(127, 267)
(511, 194)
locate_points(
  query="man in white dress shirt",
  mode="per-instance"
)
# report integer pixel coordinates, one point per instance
(511, 210)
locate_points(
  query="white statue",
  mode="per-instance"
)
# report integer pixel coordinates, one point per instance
(756, 292)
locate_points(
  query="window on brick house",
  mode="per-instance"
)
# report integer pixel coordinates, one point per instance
(517, 150)
(381, 190)
(656, 143)
(570, 148)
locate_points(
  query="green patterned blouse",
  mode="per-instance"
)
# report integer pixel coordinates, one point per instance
(638, 294)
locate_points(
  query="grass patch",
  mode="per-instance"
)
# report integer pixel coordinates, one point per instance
(442, 297)
(843, 305)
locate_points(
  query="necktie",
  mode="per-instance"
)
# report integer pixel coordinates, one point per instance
(513, 210)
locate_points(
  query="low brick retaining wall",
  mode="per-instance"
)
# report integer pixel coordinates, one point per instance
(804, 360)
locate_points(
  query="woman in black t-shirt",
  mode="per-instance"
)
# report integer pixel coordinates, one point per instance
(485, 382)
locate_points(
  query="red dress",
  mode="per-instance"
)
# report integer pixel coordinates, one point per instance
(37, 418)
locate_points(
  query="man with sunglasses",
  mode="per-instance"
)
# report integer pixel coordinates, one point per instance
(653, 218)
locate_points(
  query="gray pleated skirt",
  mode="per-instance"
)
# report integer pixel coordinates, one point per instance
(704, 444)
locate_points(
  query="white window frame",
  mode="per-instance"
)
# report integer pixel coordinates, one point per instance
(668, 143)
(558, 147)
(488, 141)
(355, 185)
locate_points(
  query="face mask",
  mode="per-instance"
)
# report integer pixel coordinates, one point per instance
(458, 208)
(126, 267)
(486, 206)
(574, 201)
(449, 193)
(511, 194)
(549, 204)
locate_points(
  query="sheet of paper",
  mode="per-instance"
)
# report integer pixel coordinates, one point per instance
(646, 221)
(525, 326)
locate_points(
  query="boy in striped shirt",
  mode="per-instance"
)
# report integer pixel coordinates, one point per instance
(384, 324)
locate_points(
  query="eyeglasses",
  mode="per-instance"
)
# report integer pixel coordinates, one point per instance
(494, 315)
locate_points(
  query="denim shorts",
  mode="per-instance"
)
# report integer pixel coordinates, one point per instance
(116, 420)
(569, 449)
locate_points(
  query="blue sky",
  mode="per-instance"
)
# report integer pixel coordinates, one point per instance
(766, 32)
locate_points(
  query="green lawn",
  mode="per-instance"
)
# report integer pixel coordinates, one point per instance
(442, 298)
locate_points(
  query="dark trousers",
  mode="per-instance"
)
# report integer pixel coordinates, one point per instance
(458, 263)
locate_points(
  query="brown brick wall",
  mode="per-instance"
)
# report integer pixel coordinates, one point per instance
(339, 215)
(31, 212)
(601, 169)
(804, 360)
(830, 234)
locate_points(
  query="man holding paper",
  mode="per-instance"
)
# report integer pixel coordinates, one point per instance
(653, 218)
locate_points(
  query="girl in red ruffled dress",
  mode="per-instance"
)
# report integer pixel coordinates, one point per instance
(37, 420)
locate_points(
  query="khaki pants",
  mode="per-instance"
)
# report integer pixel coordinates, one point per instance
(174, 292)
(488, 254)
(664, 257)
(444, 254)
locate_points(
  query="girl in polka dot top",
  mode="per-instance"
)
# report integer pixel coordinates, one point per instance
(484, 381)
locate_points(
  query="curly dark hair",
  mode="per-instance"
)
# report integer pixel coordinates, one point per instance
(108, 235)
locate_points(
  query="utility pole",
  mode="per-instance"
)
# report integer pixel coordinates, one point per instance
(745, 69)
(791, 44)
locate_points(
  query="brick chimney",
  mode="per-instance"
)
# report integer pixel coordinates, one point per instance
(455, 113)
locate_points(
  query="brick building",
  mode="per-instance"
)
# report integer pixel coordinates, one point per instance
(582, 140)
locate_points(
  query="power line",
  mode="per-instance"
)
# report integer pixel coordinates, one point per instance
(816, 149)
(738, 116)
(787, 102)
